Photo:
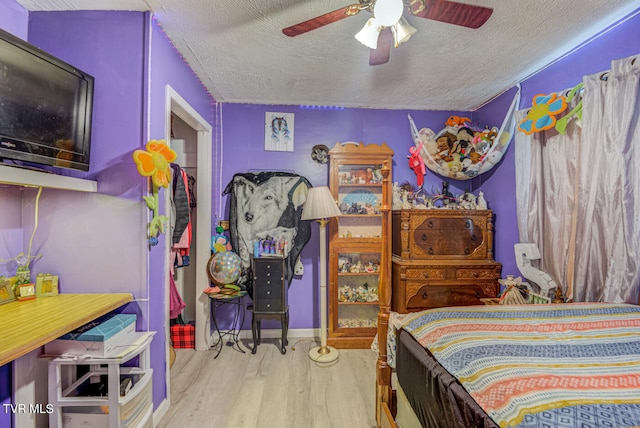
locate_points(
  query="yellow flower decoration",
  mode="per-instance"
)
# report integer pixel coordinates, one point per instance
(154, 162)
(543, 112)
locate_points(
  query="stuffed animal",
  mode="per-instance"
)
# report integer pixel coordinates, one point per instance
(457, 121)
(455, 166)
(464, 138)
(445, 144)
(472, 171)
(417, 164)
(485, 139)
(492, 159)
(428, 139)
(219, 242)
(474, 156)
(466, 163)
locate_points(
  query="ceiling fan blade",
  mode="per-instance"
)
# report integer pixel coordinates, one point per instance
(380, 55)
(322, 20)
(465, 15)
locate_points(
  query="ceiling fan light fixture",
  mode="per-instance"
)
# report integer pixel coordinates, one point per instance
(402, 31)
(368, 36)
(388, 12)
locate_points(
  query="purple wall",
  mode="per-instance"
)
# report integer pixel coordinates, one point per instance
(14, 19)
(116, 48)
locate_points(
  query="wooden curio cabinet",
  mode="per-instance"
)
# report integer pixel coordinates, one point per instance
(359, 241)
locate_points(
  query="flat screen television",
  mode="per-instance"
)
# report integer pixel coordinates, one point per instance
(45, 107)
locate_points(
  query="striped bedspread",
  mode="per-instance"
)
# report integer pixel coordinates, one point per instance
(567, 365)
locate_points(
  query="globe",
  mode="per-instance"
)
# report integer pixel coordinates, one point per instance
(224, 268)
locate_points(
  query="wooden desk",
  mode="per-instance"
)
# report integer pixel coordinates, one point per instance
(26, 326)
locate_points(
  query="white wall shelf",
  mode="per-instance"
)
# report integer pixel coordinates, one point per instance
(17, 176)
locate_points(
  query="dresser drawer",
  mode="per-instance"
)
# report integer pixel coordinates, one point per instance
(270, 270)
(426, 273)
(447, 237)
(442, 234)
(267, 291)
(268, 305)
(420, 296)
(477, 273)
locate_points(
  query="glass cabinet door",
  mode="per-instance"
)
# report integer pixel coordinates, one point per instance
(357, 290)
(359, 199)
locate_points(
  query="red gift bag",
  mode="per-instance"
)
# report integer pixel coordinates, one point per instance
(183, 336)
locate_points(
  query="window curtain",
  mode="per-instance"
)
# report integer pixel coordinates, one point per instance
(546, 166)
(577, 192)
(608, 220)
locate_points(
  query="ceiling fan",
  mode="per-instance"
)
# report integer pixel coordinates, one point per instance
(388, 26)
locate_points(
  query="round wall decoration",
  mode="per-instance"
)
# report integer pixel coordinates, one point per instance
(320, 153)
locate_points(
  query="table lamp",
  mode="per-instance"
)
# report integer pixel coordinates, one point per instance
(321, 206)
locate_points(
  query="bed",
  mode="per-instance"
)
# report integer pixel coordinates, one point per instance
(557, 365)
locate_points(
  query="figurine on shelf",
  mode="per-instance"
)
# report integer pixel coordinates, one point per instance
(345, 266)
(447, 196)
(344, 294)
(558, 298)
(373, 294)
(377, 175)
(482, 203)
(467, 201)
(397, 196)
(511, 294)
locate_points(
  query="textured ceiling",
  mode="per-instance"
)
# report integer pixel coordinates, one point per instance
(238, 50)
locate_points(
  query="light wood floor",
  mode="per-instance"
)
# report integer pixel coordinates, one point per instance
(271, 390)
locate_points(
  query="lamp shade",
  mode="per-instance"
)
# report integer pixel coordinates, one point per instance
(368, 36)
(402, 31)
(320, 204)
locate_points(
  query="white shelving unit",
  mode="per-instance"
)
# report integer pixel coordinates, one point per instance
(75, 402)
(29, 178)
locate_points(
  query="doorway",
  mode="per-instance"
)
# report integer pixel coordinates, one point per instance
(197, 133)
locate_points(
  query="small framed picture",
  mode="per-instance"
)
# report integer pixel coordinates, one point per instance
(6, 290)
(26, 292)
(278, 133)
(46, 285)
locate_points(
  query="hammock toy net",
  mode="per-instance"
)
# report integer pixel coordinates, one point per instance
(462, 151)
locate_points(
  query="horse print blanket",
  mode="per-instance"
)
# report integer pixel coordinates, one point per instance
(267, 204)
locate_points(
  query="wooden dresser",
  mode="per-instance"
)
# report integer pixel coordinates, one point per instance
(442, 258)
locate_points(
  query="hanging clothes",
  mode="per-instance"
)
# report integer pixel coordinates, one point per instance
(182, 202)
(176, 304)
